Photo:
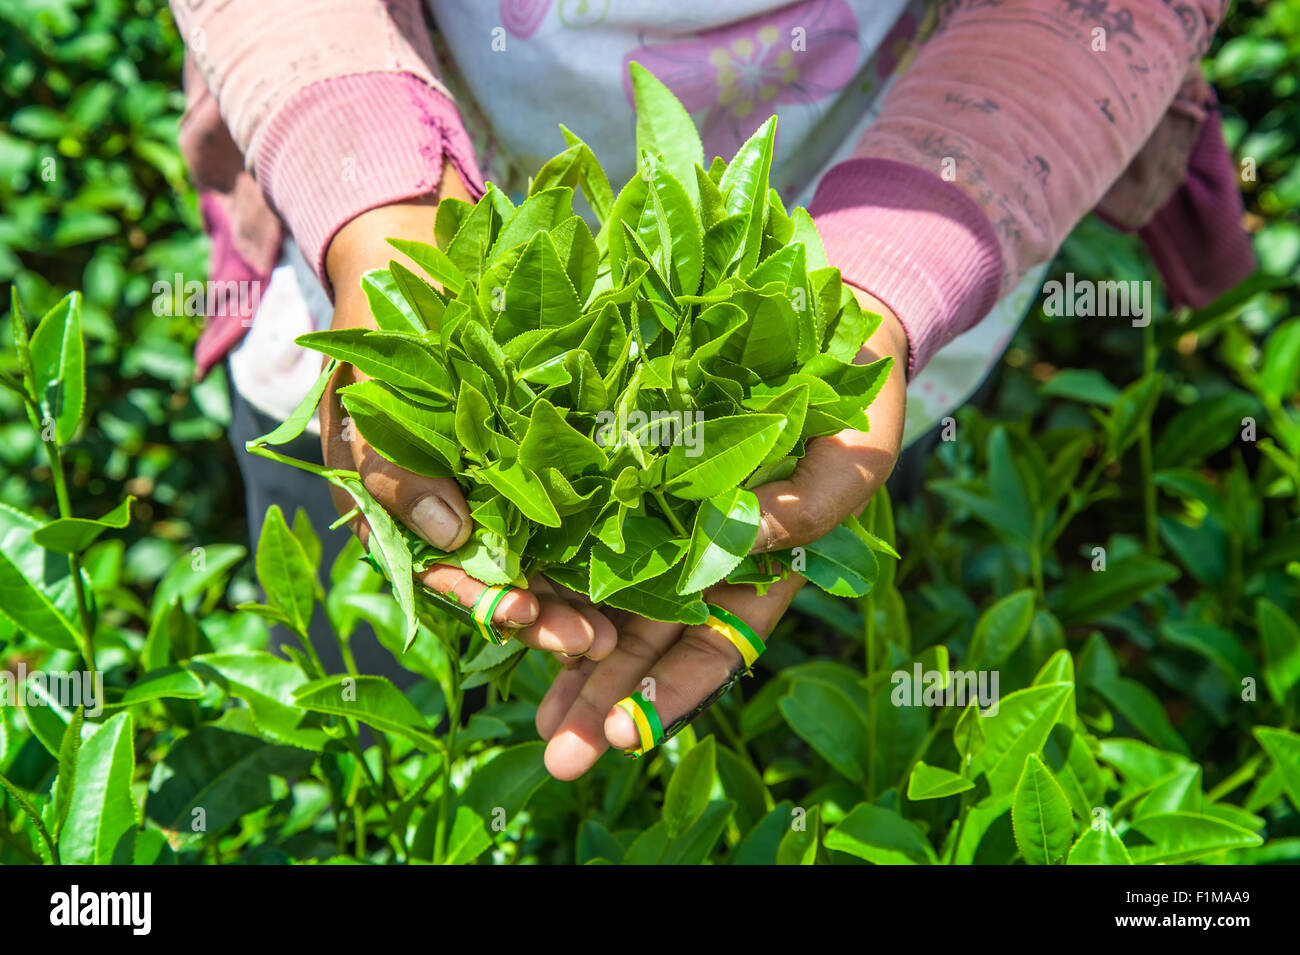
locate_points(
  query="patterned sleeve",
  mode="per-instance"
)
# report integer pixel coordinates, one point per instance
(336, 105)
(1015, 119)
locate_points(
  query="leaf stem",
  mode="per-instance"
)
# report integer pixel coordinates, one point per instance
(87, 636)
(264, 451)
(1074, 507)
(29, 810)
(964, 810)
(662, 501)
(1144, 447)
(1239, 778)
(444, 803)
(395, 838)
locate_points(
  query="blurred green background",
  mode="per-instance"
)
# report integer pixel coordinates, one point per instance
(95, 197)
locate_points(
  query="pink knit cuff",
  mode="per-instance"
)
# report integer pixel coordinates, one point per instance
(352, 143)
(919, 244)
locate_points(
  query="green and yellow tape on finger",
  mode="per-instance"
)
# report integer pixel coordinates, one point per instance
(642, 710)
(484, 607)
(478, 616)
(738, 633)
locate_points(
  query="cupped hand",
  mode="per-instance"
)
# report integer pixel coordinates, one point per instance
(676, 667)
(686, 665)
(543, 617)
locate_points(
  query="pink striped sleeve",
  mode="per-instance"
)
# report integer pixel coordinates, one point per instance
(335, 104)
(1014, 122)
(352, 143)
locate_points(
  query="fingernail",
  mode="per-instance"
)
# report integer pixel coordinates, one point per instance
(435, 521)
(517, 616)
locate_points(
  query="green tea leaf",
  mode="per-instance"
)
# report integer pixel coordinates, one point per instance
(523, 489)
(1103, 592)
(371, 699)
(391, 311)
(426, 304)
(435, 263)
(801, 841)
(1099, 846)
(1280, 639)
(1084, 385)
(294, 425)
(35, 589)
(688, 790)
(387, 546)
(538, 293)
(1001, 629)
(58, 356)
(1184, 836)
(592, 178)
(935, 782)
(657, 599)
(725, 529)
(840, 563)
(101, 809)
(881, 836)
(664, 126)
(394, 357)
(72, 535)
(285, 572)
(1020, 727)
(1040, 816)
(1132, 409)
(213, 776)
(829, 722)
(551, 442)
(650, 550)
(1283, 748)
(411, 435)
(744, 189)
(536, 216)
(717, 454)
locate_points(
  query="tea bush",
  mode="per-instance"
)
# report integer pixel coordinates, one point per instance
(1145, 711)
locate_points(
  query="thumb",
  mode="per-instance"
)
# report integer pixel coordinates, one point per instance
(835, 478)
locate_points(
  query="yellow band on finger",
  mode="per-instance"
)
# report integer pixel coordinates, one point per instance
(484, 607)
(643, 714)
(738, 633)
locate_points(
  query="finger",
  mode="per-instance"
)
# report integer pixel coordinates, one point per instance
(604, 620)
(606, 636)
(836, 477)
(580, 740)
(413, 498)
(563, 691)
(432, 507)
(518, 608)
(564, 625)
(700, 662)
(559, 626)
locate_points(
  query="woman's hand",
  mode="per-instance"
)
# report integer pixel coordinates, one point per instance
(683, 666)
(686, 665)
(545, 617)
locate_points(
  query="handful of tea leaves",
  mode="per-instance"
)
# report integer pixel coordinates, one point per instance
(607, 401)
